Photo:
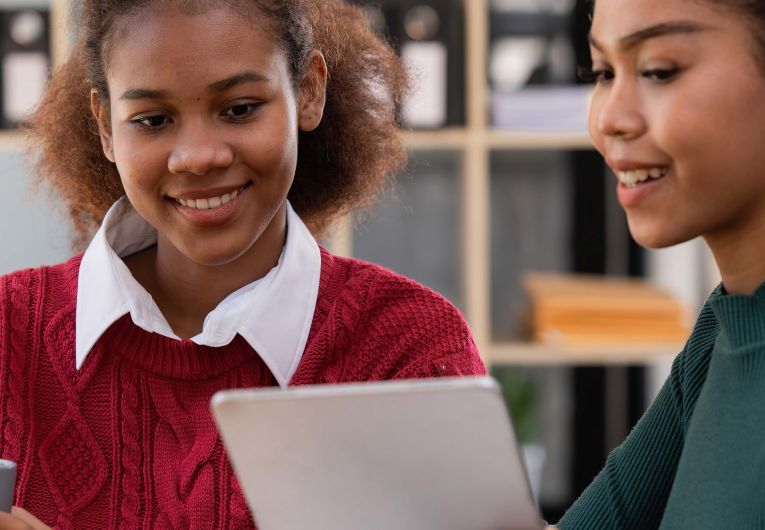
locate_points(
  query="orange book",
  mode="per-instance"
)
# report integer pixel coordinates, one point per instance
(579, 310)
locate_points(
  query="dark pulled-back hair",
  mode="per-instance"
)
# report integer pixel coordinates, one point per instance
(341, 166)
(754, 12)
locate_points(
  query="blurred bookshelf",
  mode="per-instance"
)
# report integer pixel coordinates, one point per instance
(34, 31)
(473, 145)
(10, 140)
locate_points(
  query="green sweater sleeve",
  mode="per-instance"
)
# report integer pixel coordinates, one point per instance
(632, 489)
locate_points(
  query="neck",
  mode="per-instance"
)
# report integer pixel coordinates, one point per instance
(740, 256)
(186, 291)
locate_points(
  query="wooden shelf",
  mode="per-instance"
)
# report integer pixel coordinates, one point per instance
(458, 138)
(528, 354)
(453, 138)
(11, 140)
(501, 139)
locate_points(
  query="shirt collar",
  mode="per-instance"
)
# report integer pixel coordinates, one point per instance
(273, 314)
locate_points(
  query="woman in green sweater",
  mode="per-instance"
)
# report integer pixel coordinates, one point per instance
(678, 112)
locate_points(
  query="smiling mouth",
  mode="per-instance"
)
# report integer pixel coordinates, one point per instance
(636, 177)
(210, 203)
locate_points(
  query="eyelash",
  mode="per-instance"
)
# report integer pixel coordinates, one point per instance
(660, 75)
(143, 122)
(589, 75)
(251, 109)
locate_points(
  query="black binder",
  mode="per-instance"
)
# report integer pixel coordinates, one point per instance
(449, 31)
(24, 61)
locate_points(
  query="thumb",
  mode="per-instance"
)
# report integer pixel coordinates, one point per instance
(28, 518)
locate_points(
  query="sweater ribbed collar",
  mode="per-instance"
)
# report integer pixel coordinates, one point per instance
(272, 315)
(741, 317)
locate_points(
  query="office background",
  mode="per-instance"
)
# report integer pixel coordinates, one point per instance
(502, 181)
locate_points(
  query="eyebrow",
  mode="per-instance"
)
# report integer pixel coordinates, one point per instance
(652, 32)
(238, 79)
(218, 86)
(143, 93)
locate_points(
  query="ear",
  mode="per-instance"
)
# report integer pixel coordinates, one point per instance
(102, 115)
(312, 93)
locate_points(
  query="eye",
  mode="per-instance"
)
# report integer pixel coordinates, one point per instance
(660, 74)
(597, 75)
(241, 111)
(154, 121)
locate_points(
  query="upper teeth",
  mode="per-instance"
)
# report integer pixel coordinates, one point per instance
(209, 203)
(631, 178)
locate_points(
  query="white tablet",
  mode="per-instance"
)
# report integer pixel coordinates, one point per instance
(431, 454)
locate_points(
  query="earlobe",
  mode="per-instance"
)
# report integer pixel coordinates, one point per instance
(313, 92)
(101, 114)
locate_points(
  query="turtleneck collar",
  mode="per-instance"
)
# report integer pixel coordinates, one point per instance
(741, 317)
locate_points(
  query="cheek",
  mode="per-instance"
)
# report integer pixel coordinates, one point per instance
(593, 113)
(140, 166)
(274, 149)
(135, 176)
(702, 142)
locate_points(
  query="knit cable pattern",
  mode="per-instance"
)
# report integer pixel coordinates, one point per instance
(143, 399)
(131, 450)
(13, 329)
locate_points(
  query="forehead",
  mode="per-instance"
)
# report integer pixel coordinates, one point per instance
(613, 19)
(167, 43)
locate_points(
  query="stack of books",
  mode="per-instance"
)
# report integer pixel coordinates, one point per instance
(584, 310)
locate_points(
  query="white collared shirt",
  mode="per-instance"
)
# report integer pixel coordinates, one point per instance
(273, 314)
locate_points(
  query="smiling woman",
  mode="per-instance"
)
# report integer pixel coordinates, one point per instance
(678, 112)
(207, 142)
(224, 125)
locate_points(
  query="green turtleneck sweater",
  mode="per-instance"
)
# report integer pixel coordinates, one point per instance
(696, 459)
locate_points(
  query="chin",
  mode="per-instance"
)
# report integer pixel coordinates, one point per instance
(655, 235)
(211, 259)
(213, 255)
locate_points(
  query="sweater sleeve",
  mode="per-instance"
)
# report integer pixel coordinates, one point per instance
(449, 352)
(631, 491)
(17, 310)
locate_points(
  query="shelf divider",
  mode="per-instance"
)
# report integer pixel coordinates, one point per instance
(59, 37)
(532, 354)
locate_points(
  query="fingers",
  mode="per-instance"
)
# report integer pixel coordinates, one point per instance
(20, 519)
(11, 522)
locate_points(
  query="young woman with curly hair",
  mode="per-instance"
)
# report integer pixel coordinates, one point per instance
(206, 141)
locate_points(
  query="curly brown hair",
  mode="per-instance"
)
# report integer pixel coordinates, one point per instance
(342, 165)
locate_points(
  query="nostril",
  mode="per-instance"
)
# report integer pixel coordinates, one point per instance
(624, 126)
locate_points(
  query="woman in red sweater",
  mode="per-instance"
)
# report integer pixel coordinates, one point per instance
(206, 141)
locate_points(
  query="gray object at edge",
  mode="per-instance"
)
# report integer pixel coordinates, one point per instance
(7, 484)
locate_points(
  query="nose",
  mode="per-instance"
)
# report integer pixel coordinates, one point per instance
(617, 111)
(198, 151)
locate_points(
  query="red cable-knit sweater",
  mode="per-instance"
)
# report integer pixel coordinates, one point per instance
(129, 441)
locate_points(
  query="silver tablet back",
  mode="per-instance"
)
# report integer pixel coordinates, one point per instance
(437, 454)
